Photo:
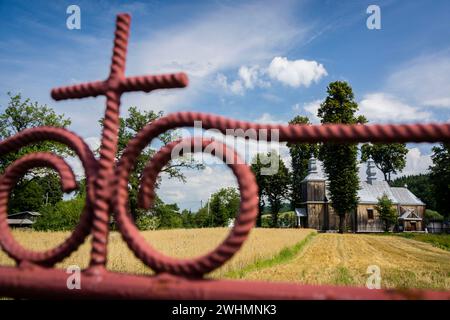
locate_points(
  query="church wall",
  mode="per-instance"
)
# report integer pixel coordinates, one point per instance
(333, 219)
(315, 191)
(364, 224)
(420, 211)
(316, 212)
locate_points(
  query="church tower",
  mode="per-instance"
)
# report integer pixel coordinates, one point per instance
(314, 197)
(370, 171)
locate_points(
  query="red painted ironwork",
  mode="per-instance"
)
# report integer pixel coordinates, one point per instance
(107, 194)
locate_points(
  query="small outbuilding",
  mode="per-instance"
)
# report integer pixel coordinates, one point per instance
(23, 219)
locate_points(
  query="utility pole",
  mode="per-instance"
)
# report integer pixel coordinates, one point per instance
(209, 200)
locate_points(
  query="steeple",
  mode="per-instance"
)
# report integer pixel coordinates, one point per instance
(312, 165)
(371, 173)
(313, 172)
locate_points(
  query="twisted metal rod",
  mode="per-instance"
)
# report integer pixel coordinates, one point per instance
(112, 88)
(44, 159)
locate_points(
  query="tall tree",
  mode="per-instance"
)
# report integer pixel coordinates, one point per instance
(261, 179)
(389, 158)
(300, 154)
(129, 127)
(340, 160)
(223, 206)
(277, 187)
(440, 177)
(39, 186)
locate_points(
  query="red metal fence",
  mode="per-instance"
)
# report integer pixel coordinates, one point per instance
(107, 193)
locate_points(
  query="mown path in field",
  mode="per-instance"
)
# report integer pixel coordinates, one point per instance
(344, 259)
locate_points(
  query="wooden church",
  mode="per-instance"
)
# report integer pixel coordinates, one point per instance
(317, 210)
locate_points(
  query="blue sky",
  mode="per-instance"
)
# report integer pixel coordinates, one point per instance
(258, 61)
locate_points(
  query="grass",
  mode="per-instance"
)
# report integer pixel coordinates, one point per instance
(182, 243)
(438, 240)
(285, 255)
(344, 259)
(288, 255)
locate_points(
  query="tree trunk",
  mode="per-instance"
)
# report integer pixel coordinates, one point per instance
(341, 223)
(259, 218)
(274, 219)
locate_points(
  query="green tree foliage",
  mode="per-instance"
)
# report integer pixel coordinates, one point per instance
(223, 206)
(188, 219)
(202, 219)
(277, 187)
(300, 154)
(386, 209)
(148, 222)
(389, 158)
(285, 220)
(39, 186)
(440, 176)
(340, 160)
(63, 216)
(168, 214)
(420, 185)
(31, 194)
(431, 215)
(129, 127)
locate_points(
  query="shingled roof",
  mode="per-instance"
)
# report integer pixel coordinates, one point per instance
(369, 190)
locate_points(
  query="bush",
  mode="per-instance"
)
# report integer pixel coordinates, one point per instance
(62, 216)
(287, 219)
(431, 215)
(148, 222)
(266, 220)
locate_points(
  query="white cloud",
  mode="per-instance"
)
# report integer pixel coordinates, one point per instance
(296, 73)
(382, 107)
(234, 87)
(425, 79)
(212, 43)
(268, 118)
(249, 76)
(312, 108)
(439, 103)
(252, 77)
(199, 186)
(416, 163)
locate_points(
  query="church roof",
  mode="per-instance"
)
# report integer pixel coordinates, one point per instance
(404, 196)
(369, 190)
(313, 173)
(409, 214)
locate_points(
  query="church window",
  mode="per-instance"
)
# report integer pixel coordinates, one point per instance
(370, 214)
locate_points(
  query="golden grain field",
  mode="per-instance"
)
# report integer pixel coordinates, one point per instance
(343, 260)
(183, 243)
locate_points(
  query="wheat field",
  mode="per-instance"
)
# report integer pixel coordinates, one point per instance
(324, 259)
(344, 259)
(181, 243)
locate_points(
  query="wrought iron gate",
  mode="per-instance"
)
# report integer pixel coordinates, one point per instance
(107, 181)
